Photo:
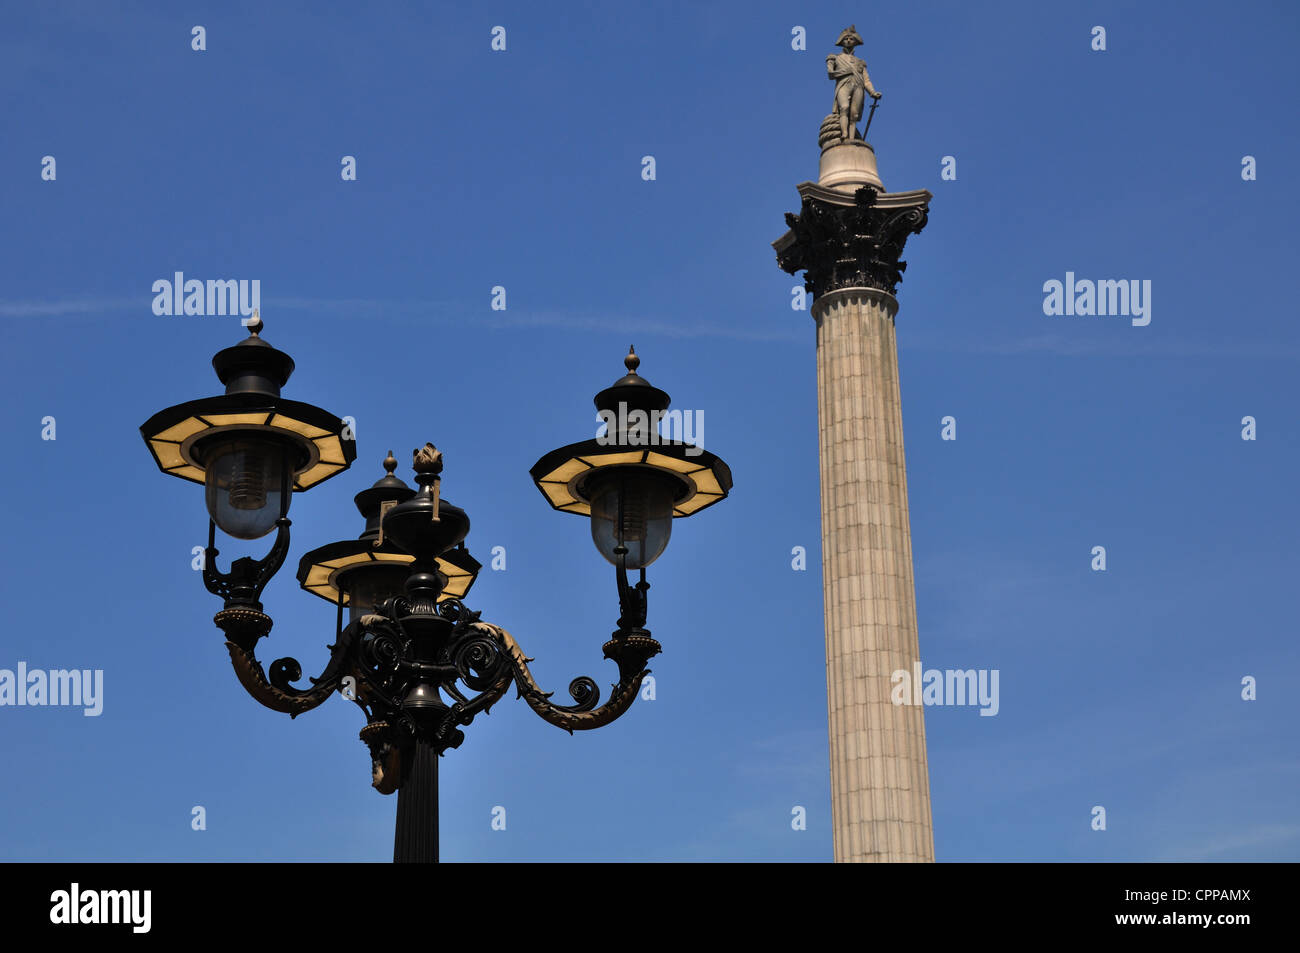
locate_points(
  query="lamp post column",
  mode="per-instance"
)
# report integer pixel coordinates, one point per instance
(416, 838)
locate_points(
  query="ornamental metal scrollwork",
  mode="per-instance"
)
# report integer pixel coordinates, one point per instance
(409, 693)
(243, 585)
(850, 246)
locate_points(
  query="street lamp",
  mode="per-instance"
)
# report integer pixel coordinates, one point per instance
(251, 449)
(632, 483)
(413, 657)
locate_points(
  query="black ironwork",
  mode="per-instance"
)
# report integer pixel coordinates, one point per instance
(849, 245)
(243, 585)
(415, 837)
(419, 665)
(420, 669)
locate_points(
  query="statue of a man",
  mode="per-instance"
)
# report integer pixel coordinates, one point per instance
(851, 82)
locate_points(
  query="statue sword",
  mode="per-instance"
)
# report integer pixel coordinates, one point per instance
(874, 103)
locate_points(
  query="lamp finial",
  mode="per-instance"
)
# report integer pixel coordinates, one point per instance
(427, 459)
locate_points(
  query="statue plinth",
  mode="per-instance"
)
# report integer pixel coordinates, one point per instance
(848, 166)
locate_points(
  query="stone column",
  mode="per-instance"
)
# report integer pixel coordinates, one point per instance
(880, 786)
(848, 237)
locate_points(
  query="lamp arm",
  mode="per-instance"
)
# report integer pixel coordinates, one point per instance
(631, 652)
(244, 623)
(276, 691)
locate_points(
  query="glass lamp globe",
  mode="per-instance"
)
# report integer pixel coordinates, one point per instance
(244, 485)
(632, 508)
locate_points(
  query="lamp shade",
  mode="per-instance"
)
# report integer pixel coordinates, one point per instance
(631, 482)
(250, 447)
(329, 570)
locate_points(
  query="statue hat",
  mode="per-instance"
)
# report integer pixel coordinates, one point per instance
(849, 35)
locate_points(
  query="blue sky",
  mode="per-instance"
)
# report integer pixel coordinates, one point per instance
(522, 169)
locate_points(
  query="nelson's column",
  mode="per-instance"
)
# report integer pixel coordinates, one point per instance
(847, 237)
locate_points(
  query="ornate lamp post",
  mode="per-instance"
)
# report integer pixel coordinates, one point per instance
(413, 657)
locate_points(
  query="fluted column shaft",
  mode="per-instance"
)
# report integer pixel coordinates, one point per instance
(415, 839)
(879, 778)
